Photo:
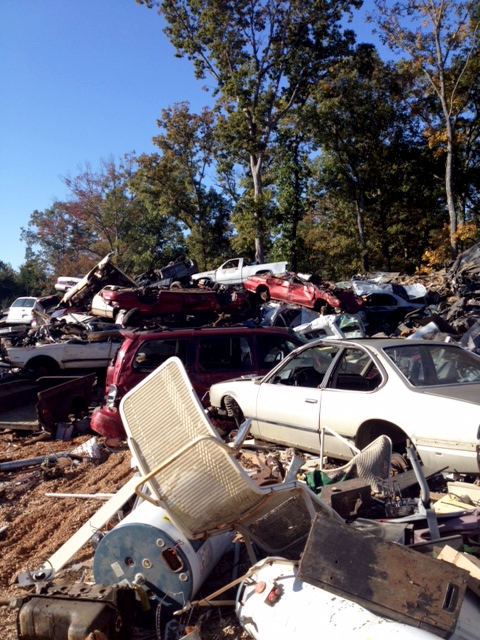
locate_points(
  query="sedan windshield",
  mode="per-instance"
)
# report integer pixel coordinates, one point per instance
(425, 364)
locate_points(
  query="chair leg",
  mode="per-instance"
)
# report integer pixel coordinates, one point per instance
(248, 543)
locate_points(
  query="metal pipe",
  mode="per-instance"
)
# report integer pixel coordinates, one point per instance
(20, 464)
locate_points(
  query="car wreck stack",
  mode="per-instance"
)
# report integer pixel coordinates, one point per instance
(309, 544)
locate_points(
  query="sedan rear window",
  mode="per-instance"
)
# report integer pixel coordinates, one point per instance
(425, 364)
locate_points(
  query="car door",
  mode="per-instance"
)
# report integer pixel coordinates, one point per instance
(278, 288)
(230, 272)
(88, 355)
(289, 400)
(300, 293)
(348, 397)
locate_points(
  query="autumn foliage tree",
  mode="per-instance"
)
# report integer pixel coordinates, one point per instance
(441, 40)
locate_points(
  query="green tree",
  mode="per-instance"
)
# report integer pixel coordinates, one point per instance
(264, 56)
(9, 287)
(58, 241)
(177, 182)
(103, 210)
(368, 137)
(291, 173)
(442, 41)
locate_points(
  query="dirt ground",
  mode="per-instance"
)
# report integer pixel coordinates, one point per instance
(33, 526)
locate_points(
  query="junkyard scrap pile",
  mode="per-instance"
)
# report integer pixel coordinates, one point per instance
(184, 528)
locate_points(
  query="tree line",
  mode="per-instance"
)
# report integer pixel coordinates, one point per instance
(315, 150)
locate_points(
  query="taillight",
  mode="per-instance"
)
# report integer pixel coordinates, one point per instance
(111, 399)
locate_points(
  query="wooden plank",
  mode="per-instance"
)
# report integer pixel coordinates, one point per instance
(63, 555)
(466, 561)
(383, 576)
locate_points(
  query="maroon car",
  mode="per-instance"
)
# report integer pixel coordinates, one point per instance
(209, 354)
(295, 290)
(153, 303)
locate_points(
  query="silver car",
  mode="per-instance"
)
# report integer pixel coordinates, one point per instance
(424, 391)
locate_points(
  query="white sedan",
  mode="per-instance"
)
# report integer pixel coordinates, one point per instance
(424, 391)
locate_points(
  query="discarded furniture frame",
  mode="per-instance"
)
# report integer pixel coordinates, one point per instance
(371, 464)
(195, 476)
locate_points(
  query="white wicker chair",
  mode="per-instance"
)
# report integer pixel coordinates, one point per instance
(195, 476)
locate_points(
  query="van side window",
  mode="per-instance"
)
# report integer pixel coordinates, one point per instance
(272, 349)
(153, 353)
(224, 352)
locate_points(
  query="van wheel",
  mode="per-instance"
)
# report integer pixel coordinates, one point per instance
(176, 285)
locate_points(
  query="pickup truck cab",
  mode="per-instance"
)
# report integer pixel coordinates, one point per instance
(23, 310)
(236, 271)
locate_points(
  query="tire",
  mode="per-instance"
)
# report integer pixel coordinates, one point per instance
(133, 318)
(264, 294)
(43, 366)
(319, 304)
(176, 285)
(398, 464)
(233, 410)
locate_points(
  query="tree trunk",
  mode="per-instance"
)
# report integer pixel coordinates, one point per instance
(361, 231)
(256, 169)
(449, 191)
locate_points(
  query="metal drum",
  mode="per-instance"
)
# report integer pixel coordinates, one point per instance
(147, 549)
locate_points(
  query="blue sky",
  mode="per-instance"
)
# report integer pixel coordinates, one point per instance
(80, 81)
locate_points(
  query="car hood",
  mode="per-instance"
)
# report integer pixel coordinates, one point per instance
(468, 392)
(105, 272)
(246, 378)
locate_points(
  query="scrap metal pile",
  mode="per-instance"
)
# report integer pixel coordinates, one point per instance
(442, 305)
(281, 540)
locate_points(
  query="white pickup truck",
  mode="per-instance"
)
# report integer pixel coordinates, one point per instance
(49, 359)
(236, 271)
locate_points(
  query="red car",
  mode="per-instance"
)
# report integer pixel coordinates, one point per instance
(153, 303)
(209, 354)
(295, 290)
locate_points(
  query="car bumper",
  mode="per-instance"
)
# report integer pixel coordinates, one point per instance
(459, 460)
(107, 422)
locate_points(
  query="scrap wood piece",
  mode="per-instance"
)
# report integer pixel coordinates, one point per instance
(385, 577)
(60, 558)
(87, 496)
(465, 561)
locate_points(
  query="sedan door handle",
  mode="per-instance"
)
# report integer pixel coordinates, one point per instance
(311, 400)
